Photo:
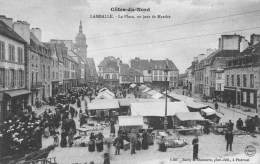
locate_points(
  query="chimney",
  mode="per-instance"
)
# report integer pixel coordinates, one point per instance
(230, 42)
(23, 29)
(7, 21)
(254, 39)
(37, 32)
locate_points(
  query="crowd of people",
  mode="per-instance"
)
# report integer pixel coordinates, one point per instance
(250, 124)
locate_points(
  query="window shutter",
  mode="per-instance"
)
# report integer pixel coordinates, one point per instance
(6, 78)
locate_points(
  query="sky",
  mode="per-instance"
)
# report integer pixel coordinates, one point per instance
(171, 38)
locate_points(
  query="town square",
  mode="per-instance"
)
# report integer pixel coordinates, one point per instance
(122, 82)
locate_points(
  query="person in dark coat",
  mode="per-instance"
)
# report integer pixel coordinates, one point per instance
(91, 145)
(117, 144)
(239, 124)
(229, 138)
(230, 125)
(112, 127)
(195, 143)
(138, 142)
(144, 141)
(162, 145)
(216, 106)
(63, 142)
(133, 143)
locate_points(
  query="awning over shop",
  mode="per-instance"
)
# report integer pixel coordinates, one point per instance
(15, 93)
(130, 121)
(157, 108)
(191, 116)
(103, 104)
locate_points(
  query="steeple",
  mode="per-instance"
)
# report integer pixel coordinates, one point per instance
(80, 27)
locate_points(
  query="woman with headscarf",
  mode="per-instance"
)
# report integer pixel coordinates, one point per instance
(144, 141)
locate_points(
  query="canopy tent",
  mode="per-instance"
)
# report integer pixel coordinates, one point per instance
(102, 89)
(157, 95)
(103, 104)
(157, 108)
(132, 85)
(191, 116)
(146, 89)
(190, 102)
(130, 121)
(128, 101)
(208, 111)
(151, 92)
(104, 95)
(142, 87)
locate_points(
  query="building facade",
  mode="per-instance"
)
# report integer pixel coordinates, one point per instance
(13, 92)
(242, 78)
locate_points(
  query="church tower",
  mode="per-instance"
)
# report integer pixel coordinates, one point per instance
(81, 44)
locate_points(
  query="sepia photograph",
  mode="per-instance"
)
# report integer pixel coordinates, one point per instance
(129, 81)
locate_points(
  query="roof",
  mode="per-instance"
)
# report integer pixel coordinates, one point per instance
(10, 33)
(124, 69)
(161, 64)
(252, 49)
(208, 111)
(130, 121)
(35, 40)
(191, 116)
(140, 64)
(128, 101)
(15, 93)
(103, 104)
(188, 101)
(221, 53)
(157, 108)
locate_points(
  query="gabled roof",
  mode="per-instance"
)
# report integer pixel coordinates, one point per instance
(141, 64)
(161, 64)
(10, 33)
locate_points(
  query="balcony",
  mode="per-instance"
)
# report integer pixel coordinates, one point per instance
(36, 85)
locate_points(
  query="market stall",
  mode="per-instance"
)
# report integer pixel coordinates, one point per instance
(211, 114)
(102, 108)
(131, 122)
(189, 123)
(154, 112)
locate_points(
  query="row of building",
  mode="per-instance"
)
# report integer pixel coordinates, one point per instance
(230, 73)
(112, 71)
(32, 70)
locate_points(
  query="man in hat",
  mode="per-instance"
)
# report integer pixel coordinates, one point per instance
(229, 138)
(195, 143)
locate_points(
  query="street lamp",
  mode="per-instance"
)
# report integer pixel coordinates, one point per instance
(166, 88)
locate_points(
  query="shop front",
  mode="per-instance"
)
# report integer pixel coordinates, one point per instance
(249, 98)
(14, 102)
(230, 95)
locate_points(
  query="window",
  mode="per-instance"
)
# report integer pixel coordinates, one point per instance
(11, 53)
(2, 77)
(2, 50)
(114, 76)
(20, 55)
(107, 76)
(218, 87)
(12, 78)
(227, 80)
(252, 98)
(251, 80)
(244, 97)
(218, 76)
(244, 80)
(232, 80)
(49, 73)
(21, 78)
(238, 80)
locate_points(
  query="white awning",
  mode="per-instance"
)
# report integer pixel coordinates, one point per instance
(190, 116)
(157, 108)
(128, 101)
(208, 111)
(133, 85)
(130, 121)
(157, 95)
(103, 104)
(104, 95)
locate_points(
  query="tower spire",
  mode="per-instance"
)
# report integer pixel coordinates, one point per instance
(80, 27)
